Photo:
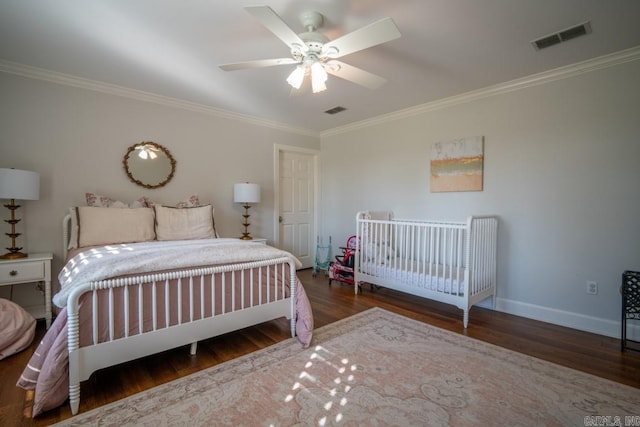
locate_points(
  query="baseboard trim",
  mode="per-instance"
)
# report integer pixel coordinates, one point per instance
(567, 319)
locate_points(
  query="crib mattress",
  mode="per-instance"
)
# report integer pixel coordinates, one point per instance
(434, 277)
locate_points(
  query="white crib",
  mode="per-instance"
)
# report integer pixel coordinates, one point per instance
(450, 262)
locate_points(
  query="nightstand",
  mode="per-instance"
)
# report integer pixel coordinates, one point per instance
(34, 268)
(260, 240)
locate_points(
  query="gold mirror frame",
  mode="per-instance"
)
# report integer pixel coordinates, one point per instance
(144, 176)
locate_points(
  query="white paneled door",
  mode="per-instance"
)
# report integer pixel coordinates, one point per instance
(297, 187)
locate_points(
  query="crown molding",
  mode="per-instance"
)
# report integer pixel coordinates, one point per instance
(606, 61)
(36, 73)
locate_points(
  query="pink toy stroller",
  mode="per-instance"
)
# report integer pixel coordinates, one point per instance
(341, 269)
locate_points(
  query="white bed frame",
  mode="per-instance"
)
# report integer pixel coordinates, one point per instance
(83, 361)
(450, 262)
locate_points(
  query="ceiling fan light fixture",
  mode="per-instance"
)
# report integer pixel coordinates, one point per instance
(318, 77)
(315, 54)
(319, 87)
(296, 77)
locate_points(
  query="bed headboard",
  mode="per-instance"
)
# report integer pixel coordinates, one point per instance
(66, 235)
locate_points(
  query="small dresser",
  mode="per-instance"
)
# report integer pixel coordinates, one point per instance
(36, 268)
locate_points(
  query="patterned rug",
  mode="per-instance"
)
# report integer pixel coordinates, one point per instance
(378, 368)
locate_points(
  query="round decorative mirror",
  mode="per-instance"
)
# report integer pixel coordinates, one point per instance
(149, 165)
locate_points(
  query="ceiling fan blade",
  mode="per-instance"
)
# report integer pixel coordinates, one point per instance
(259, 63)
(354, 74)
(373, 34)
(277, 26)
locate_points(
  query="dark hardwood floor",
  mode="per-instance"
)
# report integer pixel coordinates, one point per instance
(587, 352)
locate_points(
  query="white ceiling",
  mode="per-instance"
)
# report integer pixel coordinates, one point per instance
(173, 48)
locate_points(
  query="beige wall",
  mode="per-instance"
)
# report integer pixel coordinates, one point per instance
(76, 139)
(561, 171)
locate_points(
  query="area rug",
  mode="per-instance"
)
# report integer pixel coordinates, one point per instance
(377, 368)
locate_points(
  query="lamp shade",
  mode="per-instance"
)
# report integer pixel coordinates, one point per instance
(246, 193)
(19, 184)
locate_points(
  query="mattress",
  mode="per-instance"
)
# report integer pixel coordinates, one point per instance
(434, 277)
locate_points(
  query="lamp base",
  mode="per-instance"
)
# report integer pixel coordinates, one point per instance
(14, 252)
(245, 234)
(14, 255)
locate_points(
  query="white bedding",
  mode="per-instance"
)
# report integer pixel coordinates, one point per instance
(432, 277)
(133, 258)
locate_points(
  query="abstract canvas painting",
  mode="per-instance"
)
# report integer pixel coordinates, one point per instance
(457, 165)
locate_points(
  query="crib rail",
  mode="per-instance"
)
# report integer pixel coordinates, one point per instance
(131, 317)
(452, 262)
(482, 254)
(417, 253)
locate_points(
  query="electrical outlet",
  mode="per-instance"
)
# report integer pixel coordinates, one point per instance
(592, 287)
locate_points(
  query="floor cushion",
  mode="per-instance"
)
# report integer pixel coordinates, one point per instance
(17, 328)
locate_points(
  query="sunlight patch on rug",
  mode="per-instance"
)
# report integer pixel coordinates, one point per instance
(376, 368)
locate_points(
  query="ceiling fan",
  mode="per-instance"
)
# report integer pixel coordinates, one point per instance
(314, 54)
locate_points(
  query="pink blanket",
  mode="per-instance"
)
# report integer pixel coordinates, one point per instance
(47, 371)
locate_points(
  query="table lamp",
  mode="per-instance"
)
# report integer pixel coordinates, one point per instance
(246, 193)
(21, 185)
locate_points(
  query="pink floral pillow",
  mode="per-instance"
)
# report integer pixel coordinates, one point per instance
(191, 202)
(147, 202)
(98, 201)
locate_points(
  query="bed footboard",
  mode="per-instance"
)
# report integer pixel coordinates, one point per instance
(450, 262)
(117, 320)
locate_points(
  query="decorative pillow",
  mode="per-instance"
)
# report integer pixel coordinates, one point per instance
(147, 202)
(102, 226)
(184, 223)
(96, 200)
(191, 202)
(140, 203)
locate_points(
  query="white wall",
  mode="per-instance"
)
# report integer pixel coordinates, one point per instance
(77, 138)
(561, 171)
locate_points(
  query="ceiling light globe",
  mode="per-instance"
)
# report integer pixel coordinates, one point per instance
(296, 77)
(318, 77)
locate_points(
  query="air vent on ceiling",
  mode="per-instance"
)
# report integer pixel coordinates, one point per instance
(335, 110)
(562, 36)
